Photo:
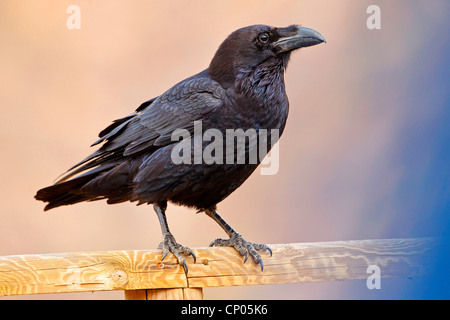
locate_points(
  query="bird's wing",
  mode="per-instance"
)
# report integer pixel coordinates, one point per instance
(151, 126)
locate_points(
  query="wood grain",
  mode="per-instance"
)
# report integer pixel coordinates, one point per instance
(139, 269)
(165, 294)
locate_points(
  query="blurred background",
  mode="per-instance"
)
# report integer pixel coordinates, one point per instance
(365, 154)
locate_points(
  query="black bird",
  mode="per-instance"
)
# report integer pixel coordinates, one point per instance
(242, 88)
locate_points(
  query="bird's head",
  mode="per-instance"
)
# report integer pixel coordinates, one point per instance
(249, 47)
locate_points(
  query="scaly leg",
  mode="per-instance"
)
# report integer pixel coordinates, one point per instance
(169, 243)
(236, 241)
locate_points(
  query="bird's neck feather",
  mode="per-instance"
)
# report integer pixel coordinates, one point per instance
(265, 82)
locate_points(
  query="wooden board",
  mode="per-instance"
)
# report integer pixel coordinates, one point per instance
(165, 294)
(140, 269)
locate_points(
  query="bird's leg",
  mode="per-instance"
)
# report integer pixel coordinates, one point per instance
(169, 244)
(236, 241)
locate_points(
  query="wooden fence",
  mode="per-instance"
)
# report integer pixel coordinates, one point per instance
(141, 274)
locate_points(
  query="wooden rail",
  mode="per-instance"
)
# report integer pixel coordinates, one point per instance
(142, 275)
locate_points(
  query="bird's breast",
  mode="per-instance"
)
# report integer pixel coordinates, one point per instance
(268, 110)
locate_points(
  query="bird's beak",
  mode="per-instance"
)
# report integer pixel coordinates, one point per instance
(296, 37)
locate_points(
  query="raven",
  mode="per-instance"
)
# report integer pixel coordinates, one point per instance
(242, 88)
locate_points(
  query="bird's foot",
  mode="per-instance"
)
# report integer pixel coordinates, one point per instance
(244, 247)
(169, 244)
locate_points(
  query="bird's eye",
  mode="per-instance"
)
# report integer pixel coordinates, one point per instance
(263, 37)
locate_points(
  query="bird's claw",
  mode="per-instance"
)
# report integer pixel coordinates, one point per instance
(169, 244)
(244, 247)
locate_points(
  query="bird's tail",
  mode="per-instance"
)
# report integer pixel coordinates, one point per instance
(67, 192)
